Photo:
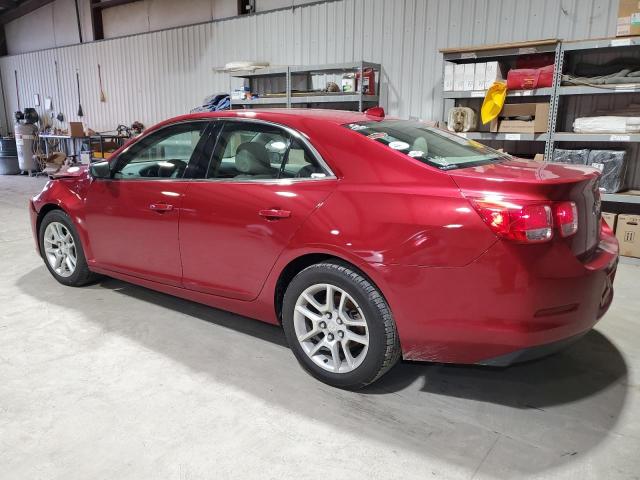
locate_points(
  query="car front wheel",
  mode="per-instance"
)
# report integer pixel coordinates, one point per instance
(339, 326)
(61, 250)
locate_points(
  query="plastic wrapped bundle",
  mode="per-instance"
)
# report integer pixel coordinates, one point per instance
(576, 157)
(612, 165)
(607, 124)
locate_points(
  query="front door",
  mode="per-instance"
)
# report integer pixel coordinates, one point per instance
(262, 183)
(132, 218)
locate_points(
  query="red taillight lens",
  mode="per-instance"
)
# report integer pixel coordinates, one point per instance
(526, 224)
(566, 218)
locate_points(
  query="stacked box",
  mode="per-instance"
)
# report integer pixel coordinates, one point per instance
(458, 77)
(448, 77)
(468, 75)
(628, 234)
(611, 219)
(479, 76)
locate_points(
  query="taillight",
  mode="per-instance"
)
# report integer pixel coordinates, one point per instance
(520, 223)
(566, 218)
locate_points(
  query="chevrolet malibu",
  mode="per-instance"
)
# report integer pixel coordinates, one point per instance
(368, 239)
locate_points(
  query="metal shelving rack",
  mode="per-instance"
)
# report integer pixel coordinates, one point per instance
(291, 98)
(501, 53)
(555, 93)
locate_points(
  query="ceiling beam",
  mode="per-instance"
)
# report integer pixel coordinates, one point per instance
(7, 3)
(25, 7)
(101, 5)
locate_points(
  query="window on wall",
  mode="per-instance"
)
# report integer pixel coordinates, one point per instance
(246, 6)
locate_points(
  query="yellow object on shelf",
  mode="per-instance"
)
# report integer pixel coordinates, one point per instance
(493, 101)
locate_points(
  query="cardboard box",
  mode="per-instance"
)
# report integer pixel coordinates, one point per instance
(539, 111)
(628, 234)
(76, 129)
(610, 218)
(539, 157)
(458, 77)
(479, 76)
(493, 72)
(469, 72)
(628, 22)
(448, 77)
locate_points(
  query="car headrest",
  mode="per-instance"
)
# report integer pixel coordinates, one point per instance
(252, 159)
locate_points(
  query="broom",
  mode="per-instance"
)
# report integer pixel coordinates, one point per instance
(80, 112)
(102, 97)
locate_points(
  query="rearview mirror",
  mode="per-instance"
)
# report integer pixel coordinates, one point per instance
(100, 170)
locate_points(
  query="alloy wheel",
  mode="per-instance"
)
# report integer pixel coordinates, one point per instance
(331, 328)
(60, 249)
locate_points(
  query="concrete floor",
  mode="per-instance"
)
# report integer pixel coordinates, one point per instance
(115, 381)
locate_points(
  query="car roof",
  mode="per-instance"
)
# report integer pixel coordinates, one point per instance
(293, 117)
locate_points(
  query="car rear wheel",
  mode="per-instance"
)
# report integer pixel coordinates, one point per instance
(339, 326)
(61, 250)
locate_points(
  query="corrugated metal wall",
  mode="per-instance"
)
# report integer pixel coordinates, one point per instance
(152, 76)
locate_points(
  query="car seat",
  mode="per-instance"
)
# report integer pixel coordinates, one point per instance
(252, 161)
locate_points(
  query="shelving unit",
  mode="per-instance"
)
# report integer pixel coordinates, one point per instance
(505, 137)
(537, 92)
(558, 95)
(290, 74)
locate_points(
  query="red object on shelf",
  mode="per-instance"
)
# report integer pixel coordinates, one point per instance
(369, 82)
(534, 61)
(529, 78)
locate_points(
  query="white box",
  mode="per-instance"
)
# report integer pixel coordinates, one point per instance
(479, 76)
(469, 71)
(448, 77)
(458, 77)
(493, 72)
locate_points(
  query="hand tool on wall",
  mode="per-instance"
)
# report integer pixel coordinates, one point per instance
(15, 72)
(60, 115)
(102, 97)
(80, 112)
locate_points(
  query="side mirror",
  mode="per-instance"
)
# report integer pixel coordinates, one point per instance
(100, 170)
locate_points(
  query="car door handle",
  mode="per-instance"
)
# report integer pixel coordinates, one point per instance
(161, 207)
(274, 213)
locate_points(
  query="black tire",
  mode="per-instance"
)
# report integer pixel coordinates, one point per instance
(384, 346)
(81, 275)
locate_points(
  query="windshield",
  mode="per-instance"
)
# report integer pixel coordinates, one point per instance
(432, 146)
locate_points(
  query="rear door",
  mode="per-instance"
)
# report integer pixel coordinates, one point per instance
(263, 181)
(132, 218)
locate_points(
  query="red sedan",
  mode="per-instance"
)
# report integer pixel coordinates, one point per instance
(366, 238)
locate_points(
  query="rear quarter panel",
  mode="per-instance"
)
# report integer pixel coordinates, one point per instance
(391, 209)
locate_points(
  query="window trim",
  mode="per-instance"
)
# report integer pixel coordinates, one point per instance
(329, 175)
(209, 125)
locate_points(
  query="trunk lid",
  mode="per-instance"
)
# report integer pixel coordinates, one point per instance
(524, 180)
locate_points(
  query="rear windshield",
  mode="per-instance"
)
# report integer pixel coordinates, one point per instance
(432, 146)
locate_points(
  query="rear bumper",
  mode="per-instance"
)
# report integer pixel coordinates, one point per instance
(531, 353)
(502, 304)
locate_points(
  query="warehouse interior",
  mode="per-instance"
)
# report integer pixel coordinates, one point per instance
(115, 380)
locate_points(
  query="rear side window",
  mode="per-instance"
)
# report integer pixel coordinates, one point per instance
(256, 151)
(432, 146)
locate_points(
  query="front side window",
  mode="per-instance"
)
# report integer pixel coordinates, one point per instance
(163, 154)
(432, 146)
(255, 151)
